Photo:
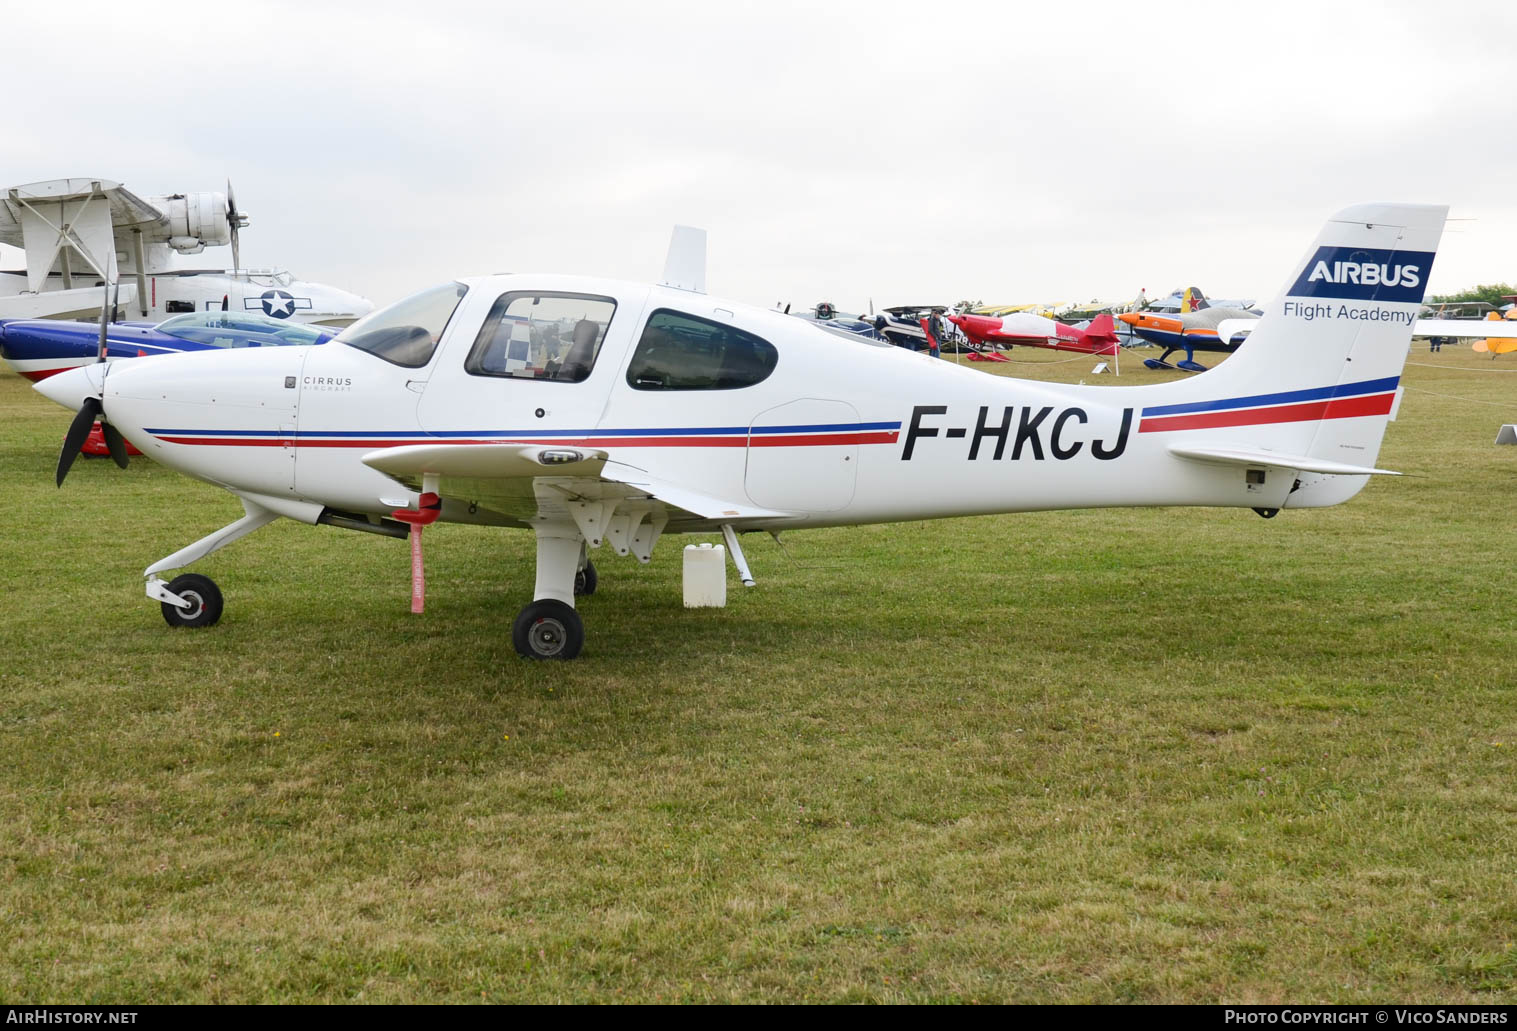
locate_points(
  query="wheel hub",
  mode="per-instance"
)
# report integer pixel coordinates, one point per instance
(548, 637)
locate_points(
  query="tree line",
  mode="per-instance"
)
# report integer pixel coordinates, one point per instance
(1491, 294)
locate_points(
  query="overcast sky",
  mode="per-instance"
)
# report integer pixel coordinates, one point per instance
(908, 153)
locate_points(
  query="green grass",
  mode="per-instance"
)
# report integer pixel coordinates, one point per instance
(1153, 755)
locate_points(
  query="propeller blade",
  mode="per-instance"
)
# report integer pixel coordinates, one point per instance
(105, 301)
(78, 432)
(235, 220)
(116, 443)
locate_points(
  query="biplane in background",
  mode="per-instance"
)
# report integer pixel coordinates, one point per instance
(81, 233)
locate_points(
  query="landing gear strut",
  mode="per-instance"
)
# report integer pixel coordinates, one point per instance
(193, 600)
(549, 628)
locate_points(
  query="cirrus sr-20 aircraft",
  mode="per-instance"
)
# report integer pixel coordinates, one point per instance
(591, 411)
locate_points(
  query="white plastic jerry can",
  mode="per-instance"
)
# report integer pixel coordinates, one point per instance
(705, 576)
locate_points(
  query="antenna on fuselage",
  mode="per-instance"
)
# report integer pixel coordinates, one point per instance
(685, 267)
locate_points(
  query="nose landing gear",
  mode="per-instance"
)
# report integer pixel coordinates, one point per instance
(204, 599)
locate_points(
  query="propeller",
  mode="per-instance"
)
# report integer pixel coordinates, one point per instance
(78, 433)
(235, 220)
(93, 408)
(106, 311)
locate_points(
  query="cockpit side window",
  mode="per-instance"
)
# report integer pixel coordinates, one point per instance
(683, 352)
(541, 336)
(406, 333)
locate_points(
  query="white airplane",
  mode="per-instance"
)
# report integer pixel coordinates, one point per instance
(81, 233)
(593, 411)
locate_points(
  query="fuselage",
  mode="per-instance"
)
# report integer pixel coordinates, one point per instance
(836, 431)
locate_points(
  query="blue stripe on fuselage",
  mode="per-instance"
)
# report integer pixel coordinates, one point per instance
(1372, 386)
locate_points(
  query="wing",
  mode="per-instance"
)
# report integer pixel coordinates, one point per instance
(1465, 328)
(76, 227)
(529, 482)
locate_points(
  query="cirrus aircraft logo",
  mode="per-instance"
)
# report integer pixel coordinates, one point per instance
(1362, 274)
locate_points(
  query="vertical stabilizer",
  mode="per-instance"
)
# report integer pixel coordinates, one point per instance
(685, 267)
(1319, 374)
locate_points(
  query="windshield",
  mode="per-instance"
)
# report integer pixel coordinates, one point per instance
(406, 333)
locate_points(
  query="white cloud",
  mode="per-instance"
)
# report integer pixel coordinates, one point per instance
(900, 152)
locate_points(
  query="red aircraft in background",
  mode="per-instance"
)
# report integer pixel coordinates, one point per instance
(988, 332)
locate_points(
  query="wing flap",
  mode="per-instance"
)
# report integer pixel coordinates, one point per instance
(1272, 459)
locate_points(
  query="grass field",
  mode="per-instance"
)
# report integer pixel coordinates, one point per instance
(1133, 755)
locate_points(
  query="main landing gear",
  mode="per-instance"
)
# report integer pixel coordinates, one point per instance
(1188, 363)
(548, 629)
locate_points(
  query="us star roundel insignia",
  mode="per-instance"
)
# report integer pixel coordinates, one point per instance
(277, 304)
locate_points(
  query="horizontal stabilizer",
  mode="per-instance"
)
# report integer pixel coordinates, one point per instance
(1273, 460)
(1228, 329)
(486, 461)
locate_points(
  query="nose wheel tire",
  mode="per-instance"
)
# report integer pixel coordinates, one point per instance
(548, 629)
(204, 598)
(585, 580)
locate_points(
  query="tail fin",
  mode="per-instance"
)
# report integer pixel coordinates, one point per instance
(1194, 300)
(1101, 334)
(1319, 375)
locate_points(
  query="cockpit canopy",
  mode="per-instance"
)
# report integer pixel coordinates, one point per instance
(239, 329)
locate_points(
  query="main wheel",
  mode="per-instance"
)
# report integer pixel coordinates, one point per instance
(585, 580)
(548, 629)
(204, 598)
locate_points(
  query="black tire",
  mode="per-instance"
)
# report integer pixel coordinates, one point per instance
(203, 593)
(548, 629)
(585, 580)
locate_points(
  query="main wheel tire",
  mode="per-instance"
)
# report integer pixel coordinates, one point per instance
(585, 580)
(548, 629)
(202, 594)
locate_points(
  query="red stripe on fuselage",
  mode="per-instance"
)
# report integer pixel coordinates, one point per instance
(1335, 408)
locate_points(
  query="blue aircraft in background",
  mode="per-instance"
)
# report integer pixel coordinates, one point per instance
(39, 348)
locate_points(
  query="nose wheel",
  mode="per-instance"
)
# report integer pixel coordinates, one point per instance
(204, 598)
(548, 629)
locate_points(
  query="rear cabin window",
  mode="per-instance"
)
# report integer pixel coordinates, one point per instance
(682, 352)
(541, 336)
